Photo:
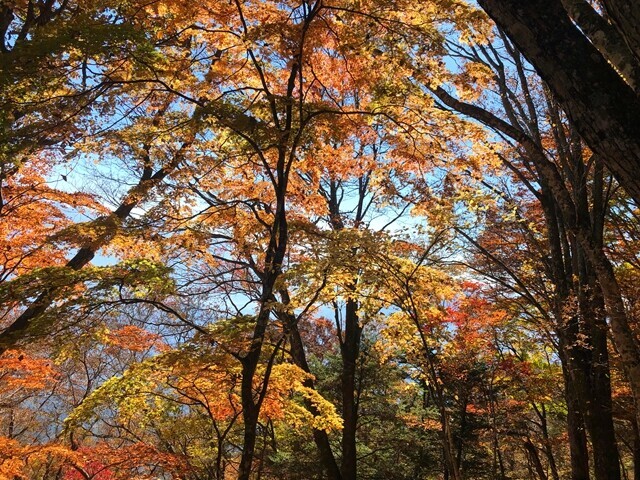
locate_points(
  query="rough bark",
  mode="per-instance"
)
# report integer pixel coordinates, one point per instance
(606, 39)
(625, 15)
(603, 108)
(578, 452)
(350, 350)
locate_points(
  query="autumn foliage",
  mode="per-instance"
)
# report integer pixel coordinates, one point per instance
(310, 240)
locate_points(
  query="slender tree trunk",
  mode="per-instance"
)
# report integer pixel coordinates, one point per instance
(250, 418)
(548, 450)
(449, 446)
(350, 350)
(320, 437)
(535, 459)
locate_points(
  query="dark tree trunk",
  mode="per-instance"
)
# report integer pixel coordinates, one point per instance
(604, 109)
(350, 350)
(535, 459)
(599, 409)
(250, 418)
(575, 430)
(625, 15)
(320, 437)
(548, 450)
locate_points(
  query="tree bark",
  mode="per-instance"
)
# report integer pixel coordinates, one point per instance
(603, 108)
(625, 15)
(606, 39)
(578, 451)
(350, 350)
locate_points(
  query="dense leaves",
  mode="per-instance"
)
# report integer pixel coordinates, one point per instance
(314, 240)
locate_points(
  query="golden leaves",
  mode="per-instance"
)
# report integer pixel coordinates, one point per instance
(287, 390)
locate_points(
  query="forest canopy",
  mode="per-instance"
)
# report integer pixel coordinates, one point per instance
(329, 239)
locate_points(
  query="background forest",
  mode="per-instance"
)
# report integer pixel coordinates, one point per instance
(330, 239)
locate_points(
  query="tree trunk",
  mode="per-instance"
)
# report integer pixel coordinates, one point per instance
(350, 350)
(606, 459)
(250, 418)
(625, 15)
(320, 437)
(606, 39)
(535, 459)
(575, 429)
(603, 108)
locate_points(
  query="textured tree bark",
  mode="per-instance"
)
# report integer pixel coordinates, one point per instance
(578, 452)
(350, 350)
(596, 394)
(597, 399)
(625, 15)
(607, 39)
(603, 108)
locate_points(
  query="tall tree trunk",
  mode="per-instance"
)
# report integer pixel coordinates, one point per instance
(350, 350)
(604, 109)
(578, 451)
(606, 459)
(320, 437)
(250, 418)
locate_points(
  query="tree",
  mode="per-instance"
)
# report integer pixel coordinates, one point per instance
(311, 240)
(598, 100)
(573, 204)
